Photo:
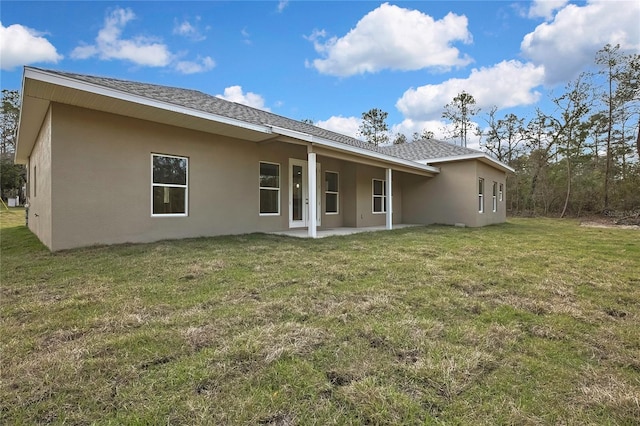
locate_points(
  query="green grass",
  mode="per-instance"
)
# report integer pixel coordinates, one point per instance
(536, 321)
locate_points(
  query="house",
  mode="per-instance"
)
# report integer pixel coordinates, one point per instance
(112, 161)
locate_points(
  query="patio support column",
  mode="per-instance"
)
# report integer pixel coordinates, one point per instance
(312, 219)
(389, 184)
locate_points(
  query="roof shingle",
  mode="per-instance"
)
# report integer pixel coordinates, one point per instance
(211, 104)
(427, 149)
(188, 98)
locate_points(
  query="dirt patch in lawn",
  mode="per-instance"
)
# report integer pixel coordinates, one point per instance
(609, 222)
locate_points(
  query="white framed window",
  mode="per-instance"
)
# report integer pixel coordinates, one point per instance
(269, 189)
(169, 185)
(501, 192)
(379, 196)
(494, 196)
(332, 192)
(480, 195)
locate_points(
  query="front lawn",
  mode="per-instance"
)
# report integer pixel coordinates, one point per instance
(536, 321)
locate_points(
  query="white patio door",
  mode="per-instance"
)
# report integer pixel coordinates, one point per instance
(299, 193)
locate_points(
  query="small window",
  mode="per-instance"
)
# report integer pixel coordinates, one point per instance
(269, 188)
(331, 195)
(501, 192)
(169, 175)
(481, 195)
(494, 197)
(379, 196)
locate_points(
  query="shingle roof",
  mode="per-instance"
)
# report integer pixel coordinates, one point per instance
(412, 151)
(211, 104)
(427, 149)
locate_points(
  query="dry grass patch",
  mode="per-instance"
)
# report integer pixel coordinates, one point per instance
(531, 322)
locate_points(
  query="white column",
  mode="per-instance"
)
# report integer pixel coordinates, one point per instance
(312, 218)
(389, 184)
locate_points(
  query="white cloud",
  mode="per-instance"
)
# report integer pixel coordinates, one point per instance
(569, 43)
(109, 44)
(193, 67)
(545, 8)
(410, 126)
(391, 37)
(440, 129)
(246, 36)
(507, 84)
(20, 45)
(343, 125)
(189, 30)
(235, 94)
(140, 50)
(282, 4)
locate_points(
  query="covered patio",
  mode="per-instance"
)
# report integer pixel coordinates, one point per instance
(331, 232)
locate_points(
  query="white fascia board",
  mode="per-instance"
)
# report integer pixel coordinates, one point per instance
(353, 149)
(20, 117)
(72, 83)
(479, 156)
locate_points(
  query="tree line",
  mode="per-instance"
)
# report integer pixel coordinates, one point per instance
(581, 158)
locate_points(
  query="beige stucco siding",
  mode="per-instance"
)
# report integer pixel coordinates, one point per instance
(102, 176)
(332, 220)
(39, 173)
(94, 184)
(452, 196)
(491, 175)
(100, 191)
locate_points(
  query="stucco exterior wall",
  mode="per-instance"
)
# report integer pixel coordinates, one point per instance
(491, 175)
(101, 182)
(331, 220)
(39, 192)
(451, 197)
(93, 184)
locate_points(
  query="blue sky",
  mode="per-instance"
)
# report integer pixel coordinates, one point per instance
(326, 61)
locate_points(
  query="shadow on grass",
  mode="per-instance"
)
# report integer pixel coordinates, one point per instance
(18, 240)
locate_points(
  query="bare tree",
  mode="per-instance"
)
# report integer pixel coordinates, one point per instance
(426, 134)
(504, 137)
(400, 139)
(570, 129)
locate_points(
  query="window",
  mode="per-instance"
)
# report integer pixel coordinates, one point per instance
(379, 196)
(35, 168)
(169, 185)
(331, 195)
(500, 196)
(269, 188)
(481, 195)
(494, 197)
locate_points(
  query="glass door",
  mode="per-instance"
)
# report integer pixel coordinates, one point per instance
(299, 194)
(299, 198)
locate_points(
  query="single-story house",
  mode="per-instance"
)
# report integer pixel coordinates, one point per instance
(112, 161)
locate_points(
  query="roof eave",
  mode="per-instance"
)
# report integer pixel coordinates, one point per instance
(474, 156)
(26, 139)
(354, 149)
(20, 157)
(138, 99)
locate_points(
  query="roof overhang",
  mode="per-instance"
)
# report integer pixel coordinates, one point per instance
(41, 88)
(373, 156)
(479, 156)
